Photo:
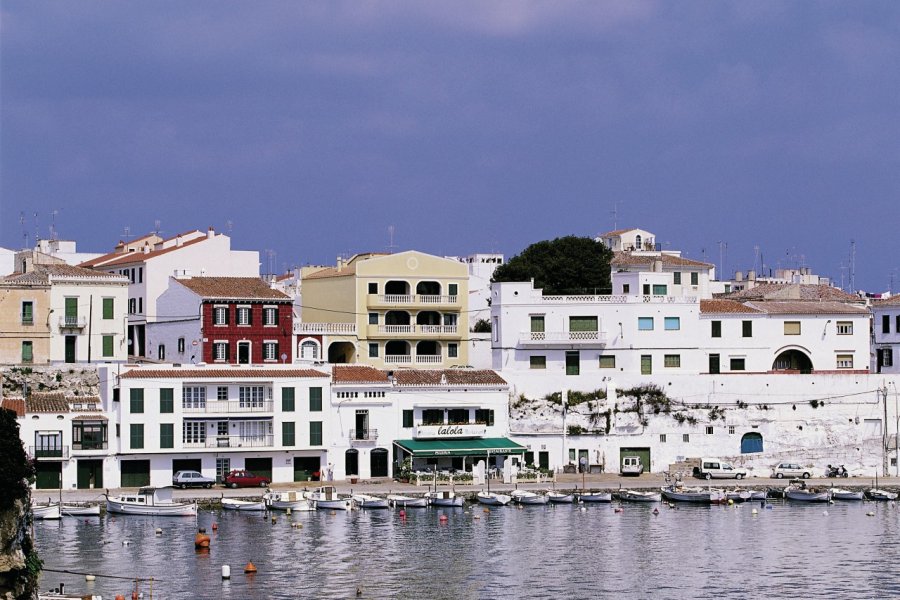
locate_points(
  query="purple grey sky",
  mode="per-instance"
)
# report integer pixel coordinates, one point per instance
(312, 127)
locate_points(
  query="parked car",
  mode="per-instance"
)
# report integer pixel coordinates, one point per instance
(631, 465)
(788, 469)
(241, 478)
(714, 468)
(186, 479)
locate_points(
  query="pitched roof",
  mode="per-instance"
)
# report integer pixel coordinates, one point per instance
(46, 402)
(617, 232)
(223, 373)
(232, 288)
(347, 268)
(631, 259)
(123, 258)
(448, 377)
(800, 307)
(45, 274)
(725, 306)
(793, 291)
(357, 374)
(17, 405)
(892, 301)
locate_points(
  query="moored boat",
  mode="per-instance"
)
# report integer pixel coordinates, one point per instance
(801, 493)
(46, 512)
(640, 496)
(444, 498)
(367, 501)
(407, 501)
(560, 498)
(845, 494)
(80, 510)
(493, 499)
(151, 502)
(293, 500)
(247, 505)
(880, 494)
(327, 498)
(529, 498)
(697, 495)
(595, 497)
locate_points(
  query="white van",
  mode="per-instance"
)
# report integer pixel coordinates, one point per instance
(631, 465)
(715, 468)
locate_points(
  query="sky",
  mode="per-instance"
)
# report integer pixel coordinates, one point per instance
(747, 134)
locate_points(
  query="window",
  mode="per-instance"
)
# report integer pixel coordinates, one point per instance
(161, 350)
(626, 288)
(537, 362)
(716, 329)
(695, 278)
(140, 305)
(458, 416)
(887, 357)
(485, 416)
(270, 316)
(287, 399)
(747, 328)
(452, 350)
(844, 361)
(373, 288)
(193, 397)
(373, 350)
(220, 351)
(140, 274)
(676, 277)
(108, 308)
(573, 360)
(646, 364)
(583, 324)
(27, 351)
(132, 306)
(453, 289)
(251, 396)
(89, 435)
(373, 318)
(672, 360)
(315, 433)
(662, 438)
(607, 361)
(407, 419)
(166, 400)
(885, 323)
(686, 438)
(181, 345)
(222, 393)
(792, 328)
(709, 430)
(645, 323)
(137, 436)
(309, 350)
(270, 351)
(243, 315)
(71, 314)
(287, 433)
(737, 364)
(714, 365)
(315, 399)
(136, 396)
(194, 432)
(659, 289)
(166, 435)
(845, 327)
(27, 312)
(432, 416)
(537, 324)
(731, 430)
(897, 326)
(672, 323)
(220, 315)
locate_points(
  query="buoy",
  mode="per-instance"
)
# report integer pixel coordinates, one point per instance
(250, 568)
(754, 511)
(825, 512)
(215, 526)
(120, 597)
(358, 592)
(655, 511)
(487, 510)
(730, 502)
(870, 514)
(201, 540)
(89, 578)
(332, 513)
(402, 513)
(274, 520)
(583, 509)
(477, 516)
(442, 518)
(125, 542)
(618, 509)
(226, 572)
(288, 511)
(159, 531)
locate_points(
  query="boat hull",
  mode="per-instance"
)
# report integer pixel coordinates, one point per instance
(530, 498)
(694, 496)
(151, 510)
(48, 512)
(633, 496)
(371, 502)
(598, 497)
(881, 495)
(841, 494)
(493, 499)
(243, 505)
(807, 496)
(408, 502)
(561, 498)
(92, 510)
(454, 502)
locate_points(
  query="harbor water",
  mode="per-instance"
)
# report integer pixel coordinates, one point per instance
(566, 551)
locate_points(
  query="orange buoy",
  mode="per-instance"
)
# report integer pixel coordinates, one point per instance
(120, 596)
(215, 526)
(201, 540)
(250, 568)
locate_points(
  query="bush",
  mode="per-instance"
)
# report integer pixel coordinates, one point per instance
(482, 326)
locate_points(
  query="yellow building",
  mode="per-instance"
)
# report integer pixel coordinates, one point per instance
(25, 322)
(405, 310)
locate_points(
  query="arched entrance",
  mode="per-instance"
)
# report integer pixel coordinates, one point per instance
(351, 462)
(341, 353)
(751, 442)
(793, 360)
(379, 462)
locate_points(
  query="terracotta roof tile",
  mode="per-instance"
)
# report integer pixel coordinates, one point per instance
(127, 258)
(46, 402)
(793, 291)
(44, 274)
(17, 405)
(232, 288)
(724, 307)
(892, 301)
(357, 374)
(629, 259)
(223, 373)
(801, 307)
(90, 417)
(448, 377)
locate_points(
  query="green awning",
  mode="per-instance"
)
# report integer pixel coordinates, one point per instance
(474, 447)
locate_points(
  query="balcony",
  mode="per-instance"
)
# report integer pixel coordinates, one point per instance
(233, 441)
(87, 446)
(325, 328)
(72, 322)
(545, 339)
(618, 299)
(230, 406)
(414, 331)
(412, 300)
(408, 359)
(363, 435)
(58, 452)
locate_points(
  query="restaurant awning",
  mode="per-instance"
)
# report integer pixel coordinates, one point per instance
(473, 447)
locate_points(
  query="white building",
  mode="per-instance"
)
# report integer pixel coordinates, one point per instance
(65, 250)
(886, 328)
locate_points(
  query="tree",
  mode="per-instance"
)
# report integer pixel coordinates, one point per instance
(566, 265)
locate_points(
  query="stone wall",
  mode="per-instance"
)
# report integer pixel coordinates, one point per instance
(72, 380)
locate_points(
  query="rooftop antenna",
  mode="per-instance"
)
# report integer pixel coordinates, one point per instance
(36, 234)
(391, 245)
(271, 255)
(615, 215)
(53, 223)
(24, 230)
(723, 252)
(852, 266)
(156, 229)
(756, 260)
(127, 233)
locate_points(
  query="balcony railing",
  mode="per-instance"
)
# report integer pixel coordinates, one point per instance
(398, 359)
(72, 322)
(562, 337)
(89, 446)
(363, 435)
(233, 441)
(230, 406)
(54, 452)
(325, 328)
(429, 359)
(424, 329)
(415, 299)
(618, 299)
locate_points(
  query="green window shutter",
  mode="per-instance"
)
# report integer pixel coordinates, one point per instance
(72, 307)
(537, 324)
(695, 278)
(167, 400)
(659, 289)
(452, 289)
(27, 313)
(747, 328)
(287, 399)
(137, 436)
(407, 419)
(108, 343)
(315, 399)
(27, 352)
(716, 329)
(607, 361)
(537, 362)
(287, 434)
(315, 433)
(108, 305)
(676, 277)
(582, 323)
(646, 364)
(137, 400)
(166, 435)
(573, 362)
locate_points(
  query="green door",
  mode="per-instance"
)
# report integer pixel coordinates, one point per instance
(543, 459)
(643, 453)
(70, 348)
(259, 466)
(646, 364)
(573, 366)
(48, 475)
(135, 473)
(378, 462)
(90, 474)
(713, 364)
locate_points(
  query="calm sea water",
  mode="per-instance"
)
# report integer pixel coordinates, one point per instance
(534, 552)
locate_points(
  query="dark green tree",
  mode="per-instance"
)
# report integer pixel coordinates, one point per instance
(566, 265)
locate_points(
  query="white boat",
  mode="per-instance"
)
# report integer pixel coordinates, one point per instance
(327, 498)
(293, 500)
(407, 501)
(529, 498)
(560, 498)
(697, 495)
(596, 497)
(45, 512)
(80, 510)
(444, 498)
(801, 493)
(640, 496)
(493, 499)
(150, 501)
(367, 501)
(878, 494)
(845, 494)
(248, 505)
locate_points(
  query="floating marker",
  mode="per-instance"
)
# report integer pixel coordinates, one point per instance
(215, 527)
(159, 531)
(226, 572)
(754, 511)
(250, 568)
(89, 578)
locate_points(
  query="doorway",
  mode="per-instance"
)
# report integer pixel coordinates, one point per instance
(378, 462)
(243, 353)
(70, 348)
(351, 460)
(90, 474)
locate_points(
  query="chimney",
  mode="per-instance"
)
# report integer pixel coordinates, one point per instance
(657, 266)
(340, 263)
(751, 275)
(738, 275)
(210, 233)
(178, 242)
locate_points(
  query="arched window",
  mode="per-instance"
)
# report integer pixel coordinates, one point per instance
(637, 242)
(751, 442)
(309, 350)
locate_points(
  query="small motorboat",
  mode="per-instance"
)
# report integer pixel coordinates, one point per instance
(595, 497)
(80, 510)
(640, 496)
(367, 501)
(845, 494)
(682, 493)
(247, 505)
(444, 498)
(151, 502)
(801, 493)
(880, 494)
(293, 500)
(327, 498)
(493, 499)
(401, 501)
(560, 498)
(529, 498)
(46, 512)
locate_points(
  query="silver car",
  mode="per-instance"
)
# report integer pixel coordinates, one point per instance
(789, 469)
(186, 479)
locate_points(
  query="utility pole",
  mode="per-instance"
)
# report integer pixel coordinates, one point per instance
(884, 435)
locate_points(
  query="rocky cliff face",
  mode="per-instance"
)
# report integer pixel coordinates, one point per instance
(73, 381)
(19, 564)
